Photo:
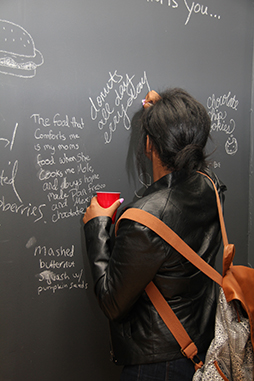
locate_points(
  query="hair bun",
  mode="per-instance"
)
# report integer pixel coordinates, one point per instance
(192, 153)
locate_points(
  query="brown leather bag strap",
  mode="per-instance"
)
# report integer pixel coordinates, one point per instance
(188, 348)
(222, 222)
(155, 224)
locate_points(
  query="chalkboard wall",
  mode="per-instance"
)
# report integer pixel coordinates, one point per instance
(72, 76)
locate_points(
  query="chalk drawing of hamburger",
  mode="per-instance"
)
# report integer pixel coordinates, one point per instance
(18, 55)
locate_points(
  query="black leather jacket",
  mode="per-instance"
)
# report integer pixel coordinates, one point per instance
(121, 272)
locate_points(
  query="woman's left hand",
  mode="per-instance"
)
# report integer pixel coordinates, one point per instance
(95, 210)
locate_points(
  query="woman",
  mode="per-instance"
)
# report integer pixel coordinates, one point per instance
(174, 132)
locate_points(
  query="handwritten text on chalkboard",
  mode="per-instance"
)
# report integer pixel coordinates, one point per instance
(8, 174)
(218, 111)
(57, 268)
(192, 8)
(125, 90)
(65, 171)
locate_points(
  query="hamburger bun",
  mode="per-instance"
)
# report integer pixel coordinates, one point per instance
(18, 55)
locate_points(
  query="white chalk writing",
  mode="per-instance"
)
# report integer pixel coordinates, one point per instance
(192, 8)
(219, 107)
(10, 179)
(57, 268)
(27, 210)
(64, 169)
(8, 176)
(125, 90)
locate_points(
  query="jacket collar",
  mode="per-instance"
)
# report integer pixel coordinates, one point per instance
(166, 181)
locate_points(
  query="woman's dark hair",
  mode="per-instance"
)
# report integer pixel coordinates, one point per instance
(178, 127)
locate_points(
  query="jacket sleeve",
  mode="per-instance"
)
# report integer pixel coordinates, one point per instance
(121, 274)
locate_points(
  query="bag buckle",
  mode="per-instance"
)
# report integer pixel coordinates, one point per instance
(197, 364)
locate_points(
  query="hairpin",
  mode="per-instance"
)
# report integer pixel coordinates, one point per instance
(151, 98)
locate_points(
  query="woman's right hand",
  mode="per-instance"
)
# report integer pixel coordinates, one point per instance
(95, 210)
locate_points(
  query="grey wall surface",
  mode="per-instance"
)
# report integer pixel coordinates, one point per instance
(72, 76)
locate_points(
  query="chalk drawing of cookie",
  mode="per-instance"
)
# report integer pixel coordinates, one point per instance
(231, 145)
